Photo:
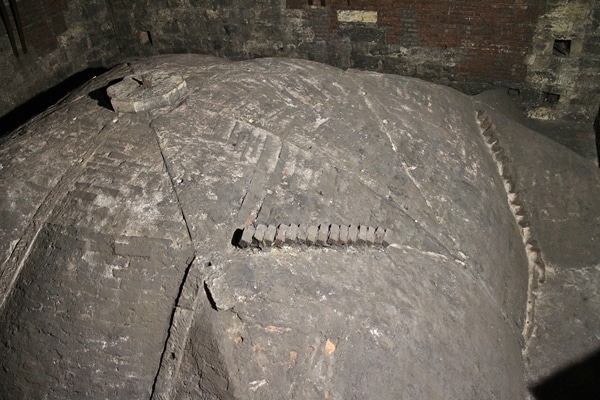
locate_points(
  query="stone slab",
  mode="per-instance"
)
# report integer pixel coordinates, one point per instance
(147, 91)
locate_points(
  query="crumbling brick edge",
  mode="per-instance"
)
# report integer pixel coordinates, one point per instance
(536, 264)
(323, 235)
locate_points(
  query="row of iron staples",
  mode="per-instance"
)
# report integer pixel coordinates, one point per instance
(312, 235)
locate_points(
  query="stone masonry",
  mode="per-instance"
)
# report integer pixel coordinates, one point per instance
(469, 45)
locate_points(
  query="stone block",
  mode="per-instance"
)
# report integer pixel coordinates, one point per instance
(352, 234)
(301, 234)
(505, 173)
(370, 236)
(246, 239)
(485, 124)
(509, 185)
(388, 238)
(524, 223)
(291, 234)
(362, 33)
(362, 235)
(499, 154)
(147, 91)
(334, 235)
(357, 16)
(379, 234)
(280, 235)
(270, 235)
(488, 131)
(343, 240)
(259, 234)
(323, 234)
(311, 234)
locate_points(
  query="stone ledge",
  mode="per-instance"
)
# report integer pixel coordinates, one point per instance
(322, 235)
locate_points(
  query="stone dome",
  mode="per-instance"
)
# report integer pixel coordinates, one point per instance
(123, 275)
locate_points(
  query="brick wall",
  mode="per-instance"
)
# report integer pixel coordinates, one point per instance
(492, 37)
(43, 21)
(62, 38)
(469, 45)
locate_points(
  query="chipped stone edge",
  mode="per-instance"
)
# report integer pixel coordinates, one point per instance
(536, 264)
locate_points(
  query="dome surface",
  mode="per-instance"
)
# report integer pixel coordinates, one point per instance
(121, 271)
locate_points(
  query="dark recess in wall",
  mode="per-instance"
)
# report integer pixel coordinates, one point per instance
(551, 98)
(580, 381)
(561, 48)
(42, 101)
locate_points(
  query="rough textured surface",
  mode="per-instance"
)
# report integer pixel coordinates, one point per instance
(102, 248)
(119, 277)
(564, 54)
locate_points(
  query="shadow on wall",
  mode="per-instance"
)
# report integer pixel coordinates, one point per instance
(42, 101)
(579, 381)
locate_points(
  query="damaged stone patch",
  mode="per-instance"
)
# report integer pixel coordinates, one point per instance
(322, 235)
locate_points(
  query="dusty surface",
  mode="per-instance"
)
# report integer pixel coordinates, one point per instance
(119, 278)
